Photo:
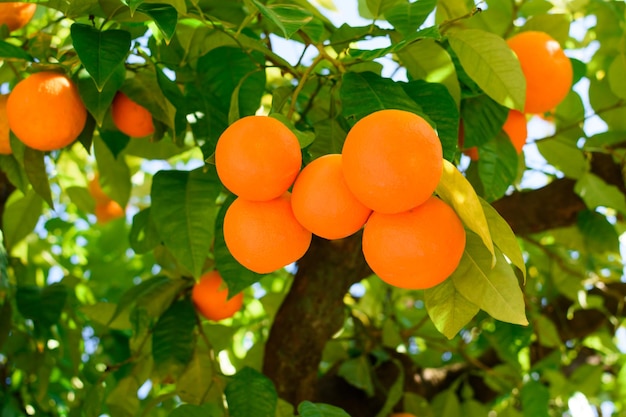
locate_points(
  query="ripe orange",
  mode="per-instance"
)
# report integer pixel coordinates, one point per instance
(210, 296)
(45, 111)
(96, 190)
(322, 202)
(472, 153)
(392, 160)
(264, 236)
(5, 141)
(131, 118)
(108, 210)
(547, 69)
(16, 14)
(515, 127)
(415, 249)
(258, 158)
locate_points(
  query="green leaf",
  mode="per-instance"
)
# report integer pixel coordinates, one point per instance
(448, 309)
(184, 210)
(329, 138)
(554, 24)
(35, 168)
(440, 106)
(407, 18)
(122, 400)
(564, 155)
(371, 54)
(98, 100)
(357, 372)
(188, 410)
(497, 166)
(143, 235)
(228, 72)
(429, 61)
(173, 338)
(21, 214)
(288, 18)
(153, 296)
(4, 276)
(378, 7)
(503, 237)
(101, 52)
(195, 382)
(456, 190)
(596, 193)
(535, 399)
(364, 93)
(42, 305)
(494, 290)
(599, 234)
(489, 61)
(236, 276)
(547, 332)
(483, 119)
(114, 173)
(165, 17)
(14, 172)
(309, 409)
(250, 393)
(446, 404)
(8, 51)
(617, 69)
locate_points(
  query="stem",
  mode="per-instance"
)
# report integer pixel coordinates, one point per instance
(300, 85)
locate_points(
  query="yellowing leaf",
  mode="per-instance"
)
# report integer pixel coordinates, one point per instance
(456, 190)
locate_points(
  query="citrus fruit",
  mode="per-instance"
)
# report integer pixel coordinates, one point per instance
(415, 249)
(322, 202)
(108, 210)
(258, 158)
(96, 190)
(45, 111)
(265, 236)
(16, 14)
(5, 141)
(392, 160)
(131, 118)
(548, 71)
(515, 127)
(210, 296)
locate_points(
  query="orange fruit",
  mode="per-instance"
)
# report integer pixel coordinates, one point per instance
(258, 158)
(322, 202)
(415, 249)
(5, 141)
(516, 128)
(265, 236)
(210, 296)
(96, 190)
(45, 111)
(548, 71)
(108, 210)
(16, 14)
(131, 118)
(392, 160)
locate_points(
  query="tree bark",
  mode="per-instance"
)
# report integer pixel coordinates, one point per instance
(310, 314)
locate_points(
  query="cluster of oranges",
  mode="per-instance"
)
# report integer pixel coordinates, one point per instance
(383, 180)
(549, 75)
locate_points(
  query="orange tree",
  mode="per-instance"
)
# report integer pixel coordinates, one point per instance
(101, 317)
